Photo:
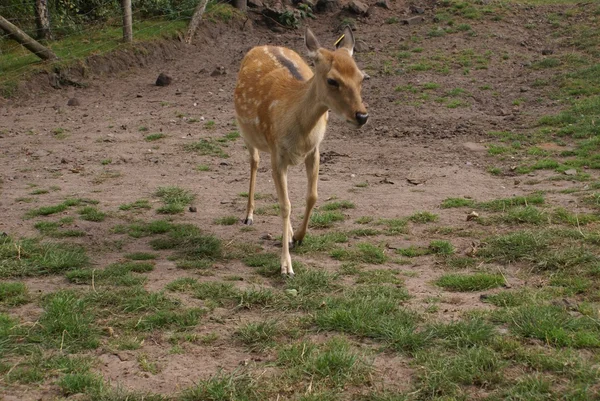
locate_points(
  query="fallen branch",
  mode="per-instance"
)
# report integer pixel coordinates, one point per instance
(27, 41)
(196, 18)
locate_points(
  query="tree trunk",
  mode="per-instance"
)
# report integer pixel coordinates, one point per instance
(127, 21)
(240, 4)
(42, 20)
(30, 44)
(196, 18)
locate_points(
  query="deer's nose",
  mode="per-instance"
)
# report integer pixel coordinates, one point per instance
(362, 118)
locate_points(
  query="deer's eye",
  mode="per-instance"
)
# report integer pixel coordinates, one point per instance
(333, 83)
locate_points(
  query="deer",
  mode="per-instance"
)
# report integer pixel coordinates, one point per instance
(282, 108)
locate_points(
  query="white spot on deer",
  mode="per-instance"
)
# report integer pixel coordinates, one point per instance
(273, 104)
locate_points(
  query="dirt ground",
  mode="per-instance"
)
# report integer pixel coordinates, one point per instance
(411, 157)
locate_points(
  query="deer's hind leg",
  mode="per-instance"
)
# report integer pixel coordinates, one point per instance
(254, 160)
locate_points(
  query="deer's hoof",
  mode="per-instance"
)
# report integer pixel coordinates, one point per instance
(248, 222)
(287, 276)
(297, 242)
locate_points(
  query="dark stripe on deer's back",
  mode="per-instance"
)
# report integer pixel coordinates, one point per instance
(286, 62)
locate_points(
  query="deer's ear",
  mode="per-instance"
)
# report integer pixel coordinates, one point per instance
(312, 43)
(346, 41)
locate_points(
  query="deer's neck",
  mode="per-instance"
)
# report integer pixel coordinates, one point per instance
(306, 107)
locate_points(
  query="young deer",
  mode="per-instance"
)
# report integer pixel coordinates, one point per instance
(282, 108)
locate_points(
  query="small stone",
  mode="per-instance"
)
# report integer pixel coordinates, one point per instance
(571, 171)
(193, 209)
(73, 102)
(40, 153)
(417, 10)
(474, 147)
(472, 216)
(413, 21)
(547, 52)
(523, 89)
(163, 80)
(358, 7)
(361, 46)
(292, 292)
(218, 71)
(267, 237)
(255, 3)
(328, 5)
(383, 4)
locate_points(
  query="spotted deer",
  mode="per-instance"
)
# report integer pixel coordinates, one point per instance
(282, 108)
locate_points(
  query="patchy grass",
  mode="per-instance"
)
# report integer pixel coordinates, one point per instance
(207, 147)
(470, 282)
(337, 205)
(91, 213)
(29, 257)
(116, 274)
(363, 252)
(227, 220)
(394, 226)
(174, 198)
(13, 293)
(325, 219)
(423, 217)
(141, 204)
(154, 137)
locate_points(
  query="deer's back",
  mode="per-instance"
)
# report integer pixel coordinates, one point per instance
(267, 76)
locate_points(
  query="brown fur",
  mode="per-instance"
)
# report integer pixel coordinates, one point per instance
(282, 108)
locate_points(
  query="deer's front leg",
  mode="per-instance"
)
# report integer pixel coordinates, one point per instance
(254, 160)
(312, 174)
(280, 179)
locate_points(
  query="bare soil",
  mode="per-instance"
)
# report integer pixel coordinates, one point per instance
(411, 157)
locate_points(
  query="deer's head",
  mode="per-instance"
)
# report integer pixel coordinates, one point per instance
(338, 78)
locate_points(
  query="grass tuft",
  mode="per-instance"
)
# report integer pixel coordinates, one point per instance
(470, 282)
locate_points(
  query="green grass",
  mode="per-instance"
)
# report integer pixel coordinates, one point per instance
(544, 250)
(334, 364)
(140, 256)
(189, 243)
(423, 217)
(143, 229)
(18, 62)
(442, 374)
(496, 205)
(91, 213)
(67, 323)
(394, 226)
(54, 229)
(207, 147)
(337, 205)
(321, 242)
(76, 383)
(470, 282)
(552, 324)
(258, 336)
(363, 252)
(154, 137)
(227, 220)
(325, 219)
(137, 205)
(223, 387)
(13, 293)
(115, 274)
(27, 257)
(61, 207)
(174, 199)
